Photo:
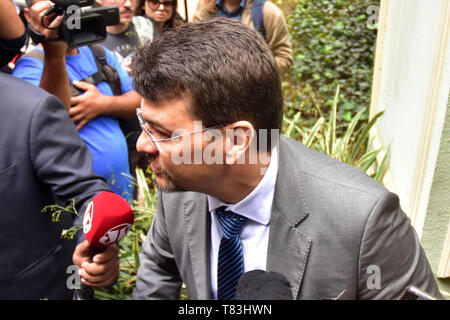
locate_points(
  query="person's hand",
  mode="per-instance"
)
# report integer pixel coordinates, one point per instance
(102, 271)
(126, 65)
(34, 17)
(37, 11)
(88, 105)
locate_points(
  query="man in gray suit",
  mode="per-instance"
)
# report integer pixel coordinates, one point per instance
(327, 227)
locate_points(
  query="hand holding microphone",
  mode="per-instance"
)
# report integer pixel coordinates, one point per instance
(107, 219)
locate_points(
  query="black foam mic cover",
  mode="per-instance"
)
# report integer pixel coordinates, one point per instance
(262, 285)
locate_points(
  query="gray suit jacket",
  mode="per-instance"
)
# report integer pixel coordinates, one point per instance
(43, 161)
(333, 232)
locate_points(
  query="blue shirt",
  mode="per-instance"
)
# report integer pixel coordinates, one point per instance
(102, 135)
(235, 14)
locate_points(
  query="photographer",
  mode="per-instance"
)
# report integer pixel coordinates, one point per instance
(96, 110)
(124, 39)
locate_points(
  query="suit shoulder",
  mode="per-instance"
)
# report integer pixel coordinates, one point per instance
(179, 197)
(14, 84)
(20, 92)
(317, 166)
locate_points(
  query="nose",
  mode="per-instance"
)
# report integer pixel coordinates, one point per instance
(143, 144)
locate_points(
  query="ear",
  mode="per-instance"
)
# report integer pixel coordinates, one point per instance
(239, 137)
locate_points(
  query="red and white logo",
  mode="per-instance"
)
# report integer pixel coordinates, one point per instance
(88, 215)
(115, 234)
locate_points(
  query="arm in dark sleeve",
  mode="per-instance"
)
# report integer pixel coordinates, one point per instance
(60, 158)
(391, 257)
(12, 32)
(158, 276)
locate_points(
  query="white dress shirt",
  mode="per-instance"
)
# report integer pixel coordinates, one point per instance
(257, 207)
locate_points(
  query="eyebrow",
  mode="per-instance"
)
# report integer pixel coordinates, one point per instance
(157, 126)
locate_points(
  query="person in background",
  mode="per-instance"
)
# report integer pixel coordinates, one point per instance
(96, 110)
(163, 13)
(130, 34)
(124, 39)
(273, 24)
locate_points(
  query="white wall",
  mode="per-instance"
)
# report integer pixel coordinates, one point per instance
(406, 84)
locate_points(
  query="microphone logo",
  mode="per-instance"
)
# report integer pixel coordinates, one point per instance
(88, 215)
(115, 234)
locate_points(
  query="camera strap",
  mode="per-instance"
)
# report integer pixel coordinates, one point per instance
(104, 72)
(38, 37)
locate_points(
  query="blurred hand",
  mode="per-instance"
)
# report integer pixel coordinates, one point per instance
(102, 271)
(36, 13)
(127, 66)
(88, 105)
(34, 16)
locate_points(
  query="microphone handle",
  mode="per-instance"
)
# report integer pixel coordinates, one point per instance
(86, 292)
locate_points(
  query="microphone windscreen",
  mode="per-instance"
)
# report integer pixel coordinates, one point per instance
(262, 285)
(107, 219)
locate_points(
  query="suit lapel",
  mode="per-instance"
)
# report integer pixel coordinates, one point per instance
(288, 247)
(197, 225)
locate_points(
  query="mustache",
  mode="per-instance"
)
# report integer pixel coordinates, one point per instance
(151, 157)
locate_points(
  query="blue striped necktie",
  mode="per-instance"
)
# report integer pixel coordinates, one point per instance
(231, 260)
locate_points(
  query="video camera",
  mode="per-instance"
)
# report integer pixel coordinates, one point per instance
(82, 25)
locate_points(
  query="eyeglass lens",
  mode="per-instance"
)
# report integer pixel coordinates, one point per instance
(157, 3)
(142, 124)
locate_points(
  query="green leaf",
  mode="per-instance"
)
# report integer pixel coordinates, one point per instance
(347, 116)
(382, 169)
(348, 106)
(349, 133)
(310, 138)
(364, 135)
(332, 124)
(291, 127)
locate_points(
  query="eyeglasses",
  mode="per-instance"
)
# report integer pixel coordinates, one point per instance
(154, 4)
(155, 142)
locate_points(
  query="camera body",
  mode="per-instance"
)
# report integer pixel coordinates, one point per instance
(82, 24)
(88, 25)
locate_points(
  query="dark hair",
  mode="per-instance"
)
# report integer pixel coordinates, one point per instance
(226, 69)
(175, 20)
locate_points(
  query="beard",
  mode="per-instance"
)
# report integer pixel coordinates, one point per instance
(167, 184)
(163, 181)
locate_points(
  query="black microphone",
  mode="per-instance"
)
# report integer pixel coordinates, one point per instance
(262, 285)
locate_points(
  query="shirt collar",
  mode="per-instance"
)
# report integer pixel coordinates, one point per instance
(257, 205)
